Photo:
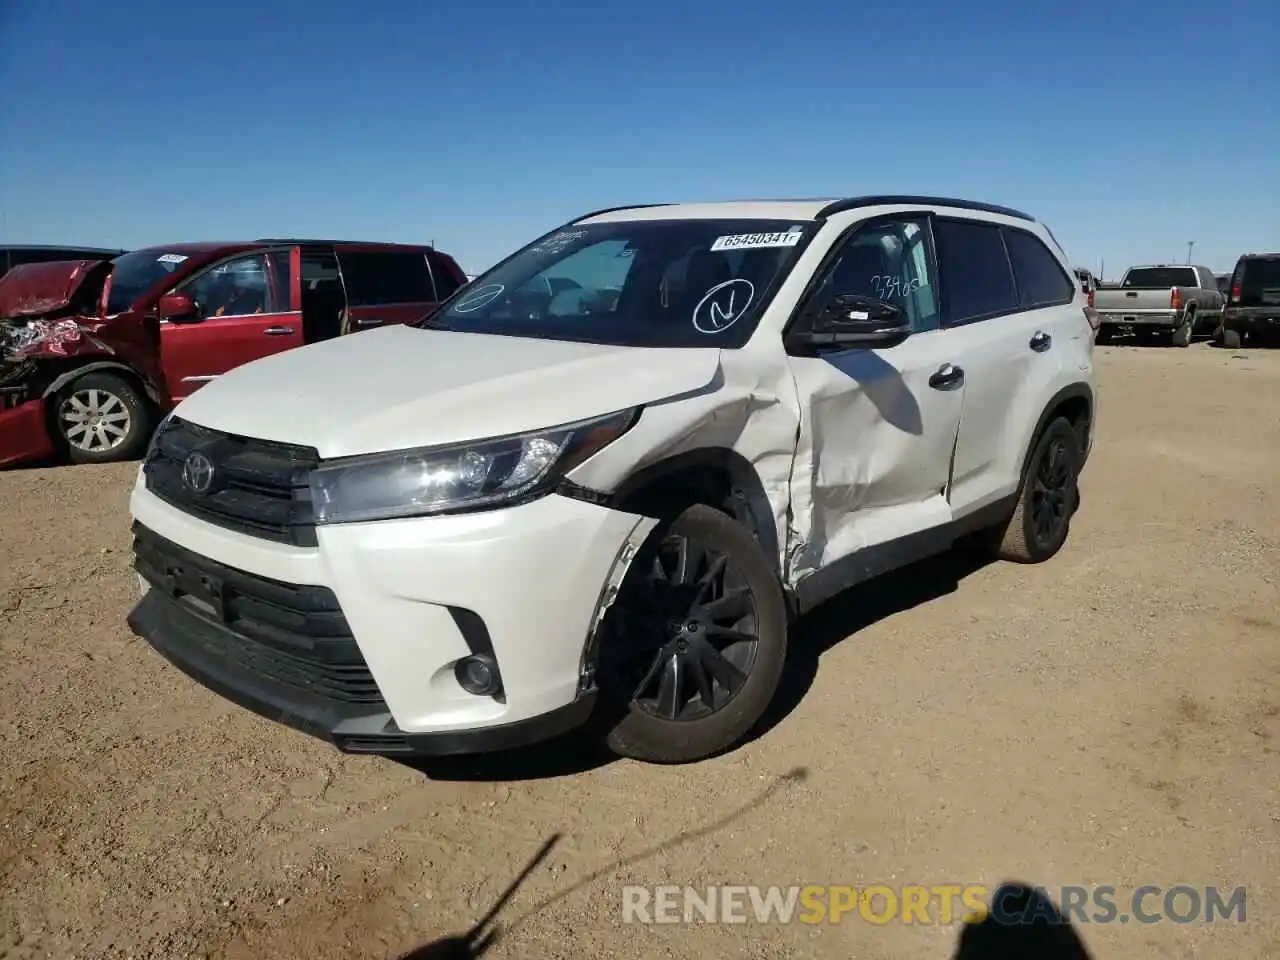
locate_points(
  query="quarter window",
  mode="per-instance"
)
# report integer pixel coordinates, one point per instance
(1041, 280)
(888, 261)
(975, 270)
(375, 278)
(236, 288)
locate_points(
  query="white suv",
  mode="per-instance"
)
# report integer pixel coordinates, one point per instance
(597, 485)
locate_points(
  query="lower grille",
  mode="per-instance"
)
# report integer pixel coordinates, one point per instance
(293, 635)
(251, 486)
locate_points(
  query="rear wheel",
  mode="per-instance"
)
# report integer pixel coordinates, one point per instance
(1231, 339)
(693, 648)
(102, 418)
(1183, 334)
(1047, 499)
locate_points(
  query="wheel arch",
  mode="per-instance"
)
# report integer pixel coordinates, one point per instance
(123, 370)
(718, 477)
(1075, 402)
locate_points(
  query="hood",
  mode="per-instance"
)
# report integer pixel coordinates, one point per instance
(38, 289)
(400, 387)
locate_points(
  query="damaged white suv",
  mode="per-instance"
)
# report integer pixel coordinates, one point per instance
(597, 485)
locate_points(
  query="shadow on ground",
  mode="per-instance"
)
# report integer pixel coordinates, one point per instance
(856, 609)
(486, 933)
(1023, 924)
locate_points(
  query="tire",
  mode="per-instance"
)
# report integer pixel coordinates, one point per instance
(1231, 339)
(664, 641)
(1018, 539)
(1183, 334)
(123, 419)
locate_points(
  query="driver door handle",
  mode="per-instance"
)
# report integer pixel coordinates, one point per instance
(948, 377)
(1041, 342)
(277, 331)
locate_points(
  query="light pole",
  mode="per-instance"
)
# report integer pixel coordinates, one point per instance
(1190, 244)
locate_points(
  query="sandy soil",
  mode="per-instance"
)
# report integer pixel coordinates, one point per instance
(1112, 717)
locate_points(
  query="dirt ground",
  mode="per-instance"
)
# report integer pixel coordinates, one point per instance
(1112, 717)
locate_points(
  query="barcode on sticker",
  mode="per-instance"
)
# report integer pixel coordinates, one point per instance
(754, 241)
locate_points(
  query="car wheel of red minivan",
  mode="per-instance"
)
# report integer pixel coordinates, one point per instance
(103, 418)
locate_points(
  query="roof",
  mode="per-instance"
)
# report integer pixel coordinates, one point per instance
(798, 209)
(60, 248)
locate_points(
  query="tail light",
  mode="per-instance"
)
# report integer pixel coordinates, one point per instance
(1092, 315)
(1090, 299)
(1235, 293)
(1175, 299)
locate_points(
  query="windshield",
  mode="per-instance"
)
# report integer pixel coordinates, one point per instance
(653, 283)
(1160, 277)
(134, 274)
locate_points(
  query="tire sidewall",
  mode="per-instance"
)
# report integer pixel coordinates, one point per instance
(1058, 429)
(140, 419)
(641, 735)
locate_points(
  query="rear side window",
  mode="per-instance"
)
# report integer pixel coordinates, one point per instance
(976, 278)
(1041, 280)
(373, 278)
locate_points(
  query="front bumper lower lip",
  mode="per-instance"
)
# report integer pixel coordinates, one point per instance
(191, 645)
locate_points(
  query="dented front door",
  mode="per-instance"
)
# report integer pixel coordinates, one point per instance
(878, 427)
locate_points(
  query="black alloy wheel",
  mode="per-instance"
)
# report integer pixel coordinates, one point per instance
(695, 643)
(1052, 491)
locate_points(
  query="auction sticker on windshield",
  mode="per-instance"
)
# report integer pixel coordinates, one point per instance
(171, 258)
(755, 241)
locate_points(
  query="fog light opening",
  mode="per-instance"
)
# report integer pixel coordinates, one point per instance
(478, 675)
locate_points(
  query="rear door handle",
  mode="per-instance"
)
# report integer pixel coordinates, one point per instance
(278, 331)
(947, 378)
(1040, 342)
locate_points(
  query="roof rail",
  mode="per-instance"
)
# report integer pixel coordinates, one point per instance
(625, 206)
(853, 203)
(362, 243)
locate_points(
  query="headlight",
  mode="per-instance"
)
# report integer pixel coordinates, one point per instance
(415, 483)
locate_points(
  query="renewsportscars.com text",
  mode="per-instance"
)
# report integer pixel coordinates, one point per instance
(936, 904)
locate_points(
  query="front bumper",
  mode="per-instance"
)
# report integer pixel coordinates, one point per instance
(24, 433)
(356, 640)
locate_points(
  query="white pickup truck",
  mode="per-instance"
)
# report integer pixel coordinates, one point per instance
(1169, 301)
(595, 488)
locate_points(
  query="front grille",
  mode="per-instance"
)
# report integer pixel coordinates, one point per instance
(293, 635)
(257, 487)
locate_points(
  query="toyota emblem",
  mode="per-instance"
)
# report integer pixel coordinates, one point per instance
(197, 472)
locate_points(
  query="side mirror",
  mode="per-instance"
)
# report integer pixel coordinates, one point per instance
(856, 321)
(178, 308)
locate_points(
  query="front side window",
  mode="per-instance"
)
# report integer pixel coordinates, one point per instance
(1041, 280)
(236, 288)
(652, 283)
(975, 269)
(888, 262)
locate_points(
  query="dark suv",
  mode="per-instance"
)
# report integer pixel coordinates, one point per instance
(15, 256)
(1253, 301)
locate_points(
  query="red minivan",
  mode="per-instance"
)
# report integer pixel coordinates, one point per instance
(92, 354)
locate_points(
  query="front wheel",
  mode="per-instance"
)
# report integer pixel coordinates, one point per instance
(692, 651)
(102, 418)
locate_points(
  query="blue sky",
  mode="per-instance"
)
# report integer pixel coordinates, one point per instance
(1130, 129)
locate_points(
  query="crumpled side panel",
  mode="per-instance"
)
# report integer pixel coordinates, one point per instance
(67, 337)
(749, 408)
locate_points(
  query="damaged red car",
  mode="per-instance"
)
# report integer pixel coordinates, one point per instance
(94, 353)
